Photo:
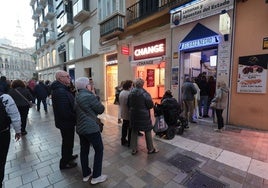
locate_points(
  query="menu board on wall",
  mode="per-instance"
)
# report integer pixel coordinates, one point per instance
(252, 74)
(150, 77)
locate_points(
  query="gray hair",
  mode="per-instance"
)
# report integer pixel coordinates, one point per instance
(81, 82)
(139, 83)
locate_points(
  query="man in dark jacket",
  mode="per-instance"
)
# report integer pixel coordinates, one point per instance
(140, 103)
(64, 114)
(41, 93)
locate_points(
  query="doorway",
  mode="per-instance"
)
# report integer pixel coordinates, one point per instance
(111, 81)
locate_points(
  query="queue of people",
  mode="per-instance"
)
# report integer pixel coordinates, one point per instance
(76, 107)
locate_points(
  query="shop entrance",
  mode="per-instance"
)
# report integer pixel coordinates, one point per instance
(111, 81)
(154, 76)
(197, 64)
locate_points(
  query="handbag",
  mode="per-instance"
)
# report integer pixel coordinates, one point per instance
(30, 103)
(96, 119)
(213, 105)
(160, 124)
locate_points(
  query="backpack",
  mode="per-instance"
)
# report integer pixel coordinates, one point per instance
(5, 120)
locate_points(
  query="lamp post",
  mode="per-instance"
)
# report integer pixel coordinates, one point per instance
(225, 25)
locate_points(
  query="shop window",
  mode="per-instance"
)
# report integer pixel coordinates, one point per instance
(86, 43)
(71, 49)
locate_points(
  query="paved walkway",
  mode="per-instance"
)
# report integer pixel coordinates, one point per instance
(199, 158)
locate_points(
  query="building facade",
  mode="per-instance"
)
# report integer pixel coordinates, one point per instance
(16, 63)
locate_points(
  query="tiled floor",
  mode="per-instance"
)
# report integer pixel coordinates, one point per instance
(235, 158)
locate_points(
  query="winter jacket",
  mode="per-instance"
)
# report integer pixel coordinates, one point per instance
(63, 106)
(19, 100)
(188, 91)
(41, 91)
(123, 99)
(87, 107)
(221, 98)
(140, 103)
(12, 111)
(171, 110)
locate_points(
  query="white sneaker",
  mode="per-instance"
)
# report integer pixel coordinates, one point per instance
(99, 179)
(85, 179)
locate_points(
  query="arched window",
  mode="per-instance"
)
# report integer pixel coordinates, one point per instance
(86, 43)
(54, 57)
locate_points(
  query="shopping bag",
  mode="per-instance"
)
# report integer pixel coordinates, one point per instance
(160, 124)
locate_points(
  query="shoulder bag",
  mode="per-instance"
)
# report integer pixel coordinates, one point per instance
(30, 104)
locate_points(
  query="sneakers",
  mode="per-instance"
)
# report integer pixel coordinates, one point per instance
(85, 179)
(99, 179)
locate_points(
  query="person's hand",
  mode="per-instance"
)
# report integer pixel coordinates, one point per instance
(17, 136)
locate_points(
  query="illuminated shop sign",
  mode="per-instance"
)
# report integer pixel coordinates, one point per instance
(111, 59)
(199, 9)
(150, 61)
(213, 40)
(150, 50)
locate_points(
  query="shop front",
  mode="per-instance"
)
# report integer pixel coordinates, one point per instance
(201, 48)
(111, 64)
(149, 64)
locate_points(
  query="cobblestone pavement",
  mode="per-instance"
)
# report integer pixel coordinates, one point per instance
(199, 158)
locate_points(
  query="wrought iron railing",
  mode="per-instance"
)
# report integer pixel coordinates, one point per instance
(116, 23)
(143, 9)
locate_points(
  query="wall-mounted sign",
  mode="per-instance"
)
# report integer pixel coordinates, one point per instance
(150, 77)
(111, 59)
(252, 74)
(208, 41)
(125, 50)
(196, 10)
(150, 50)
(150, 61)
(265, 43)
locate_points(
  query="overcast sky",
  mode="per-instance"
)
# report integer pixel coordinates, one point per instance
(10, 12)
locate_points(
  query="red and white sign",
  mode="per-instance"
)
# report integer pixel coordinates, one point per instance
(150, 50)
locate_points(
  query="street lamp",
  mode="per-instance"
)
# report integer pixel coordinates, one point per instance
(225, 24)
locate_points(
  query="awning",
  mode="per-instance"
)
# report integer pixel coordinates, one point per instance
(199, 36)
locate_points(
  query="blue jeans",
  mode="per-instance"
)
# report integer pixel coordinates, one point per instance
(96, 141)
(44, 101)
(204, 102)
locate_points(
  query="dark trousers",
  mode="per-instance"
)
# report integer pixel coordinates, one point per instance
(44, 102)
(67, 145)
(23, 114)
(219, 118)
(4, 145)
(126, 131)
(85, 142)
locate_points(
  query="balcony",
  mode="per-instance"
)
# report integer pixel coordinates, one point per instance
(81, 10)
(39, 28)
(50, 37)
(49, 12)
(32, 2)
(35, 16)
(43, 42)
(43, 2)
(37, 45)
(112, 27)
(150, 13)
(38, 9)
(43, 21)
(66, 22)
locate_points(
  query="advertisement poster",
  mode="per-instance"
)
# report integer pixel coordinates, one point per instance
(252, 74)
(150, 77)
(175, 76)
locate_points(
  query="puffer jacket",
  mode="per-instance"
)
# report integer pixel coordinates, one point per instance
(87, 107)
(63, 106)
(140, 103)
(221, 98)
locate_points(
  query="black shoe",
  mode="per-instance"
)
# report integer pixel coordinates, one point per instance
(186, 127)
(74, 157)
(124, 142)
(23, 132)
(68, 165)
(140, 134)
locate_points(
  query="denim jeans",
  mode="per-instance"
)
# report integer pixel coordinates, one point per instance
(44, 101)
(5, 141)
(204, 102)
(85, 142)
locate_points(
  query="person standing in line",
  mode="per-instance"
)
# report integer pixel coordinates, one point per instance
(211, 93)
(123, 98)
(4, 87)
(140, 102)
(196, 99)
(41, 94)
(87, 107)
(220, 98)
(21, 95)
(118, 89)
(188, 92)
(9, 116)
(64, 115)
(204, 90)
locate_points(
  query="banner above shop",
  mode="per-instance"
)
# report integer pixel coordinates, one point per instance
(150, 61)
(197, 10)
(208, 41)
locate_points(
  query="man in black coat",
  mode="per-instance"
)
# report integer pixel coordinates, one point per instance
(41, 93)
(64, 114)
